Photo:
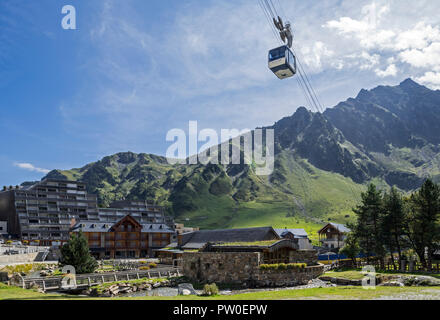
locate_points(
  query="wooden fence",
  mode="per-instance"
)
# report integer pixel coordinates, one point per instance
(405, 267)
(71, 282)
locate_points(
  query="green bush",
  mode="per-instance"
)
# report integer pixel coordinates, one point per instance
(283, 266)
(152, 265)
(210, 290)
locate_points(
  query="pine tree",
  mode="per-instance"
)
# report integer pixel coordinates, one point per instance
(393, 223)
(76, 253)
(423, 228)
(367, 228)
(351, 248)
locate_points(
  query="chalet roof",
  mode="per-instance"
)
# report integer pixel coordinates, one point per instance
(156, 228)
(298, 233)
(198, 239)
(340, 227)
(88, 226)
(92, 227)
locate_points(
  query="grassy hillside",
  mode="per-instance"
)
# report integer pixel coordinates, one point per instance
(298, 195)
(322, 164)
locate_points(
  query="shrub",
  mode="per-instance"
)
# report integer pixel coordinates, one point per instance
(76, 253)
(283, 266)
(152, 265)
(210, 290)
(144, 268)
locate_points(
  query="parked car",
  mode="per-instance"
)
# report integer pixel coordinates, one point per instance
(16, 243)
(2, 241)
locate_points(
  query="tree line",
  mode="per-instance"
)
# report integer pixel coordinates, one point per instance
(389, 223)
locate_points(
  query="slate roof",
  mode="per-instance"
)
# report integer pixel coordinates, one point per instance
(298, 233)
(92, 227)
(104, 227)
(338, 226)
(198, 239)
(155, 227)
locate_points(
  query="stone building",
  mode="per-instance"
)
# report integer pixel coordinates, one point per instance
(241, 264)
(198, 239)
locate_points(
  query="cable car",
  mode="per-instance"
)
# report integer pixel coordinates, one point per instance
(282, 62)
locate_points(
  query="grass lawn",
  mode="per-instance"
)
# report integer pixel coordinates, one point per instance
(356, 274)
(335, 293)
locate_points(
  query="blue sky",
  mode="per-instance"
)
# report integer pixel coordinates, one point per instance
(135, 69)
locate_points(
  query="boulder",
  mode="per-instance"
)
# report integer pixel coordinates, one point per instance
(421, 281)
(186, 292)
(186, 287)
(392, 284)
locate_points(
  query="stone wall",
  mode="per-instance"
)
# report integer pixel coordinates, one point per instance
(305, 256)
(220, 267)
(244, 269)
(287, 278)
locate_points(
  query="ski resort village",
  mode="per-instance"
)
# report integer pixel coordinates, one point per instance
(56, 240)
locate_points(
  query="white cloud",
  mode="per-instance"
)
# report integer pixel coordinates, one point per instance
(431, 79)
(405, 42)
(428, 57)
(390, 71)
(313, 56)
(347, 25)
(417, 38)
(30, 167)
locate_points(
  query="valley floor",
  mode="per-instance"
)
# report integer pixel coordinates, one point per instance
(333, 293)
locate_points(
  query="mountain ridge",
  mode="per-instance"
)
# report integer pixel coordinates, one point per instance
(323, 161)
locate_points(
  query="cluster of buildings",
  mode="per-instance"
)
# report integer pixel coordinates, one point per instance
(48, 212)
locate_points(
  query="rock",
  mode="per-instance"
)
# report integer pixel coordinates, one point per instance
(124, 289)
(226, 292)
(185, 292)
(186, 286)
(114, 291)
(157, 285)
(421, 281)
(392, 284)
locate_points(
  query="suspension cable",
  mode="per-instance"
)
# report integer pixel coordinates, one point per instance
(270, 11)
(267, 15)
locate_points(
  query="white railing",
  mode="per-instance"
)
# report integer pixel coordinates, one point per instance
(16, 249)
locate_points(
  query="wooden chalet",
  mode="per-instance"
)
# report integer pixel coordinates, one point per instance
(126, 239)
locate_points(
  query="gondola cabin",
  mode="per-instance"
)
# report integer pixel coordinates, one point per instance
(282, 62)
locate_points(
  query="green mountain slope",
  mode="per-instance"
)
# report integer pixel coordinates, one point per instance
(322, 164)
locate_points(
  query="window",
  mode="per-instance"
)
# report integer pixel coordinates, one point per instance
(277, 54)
